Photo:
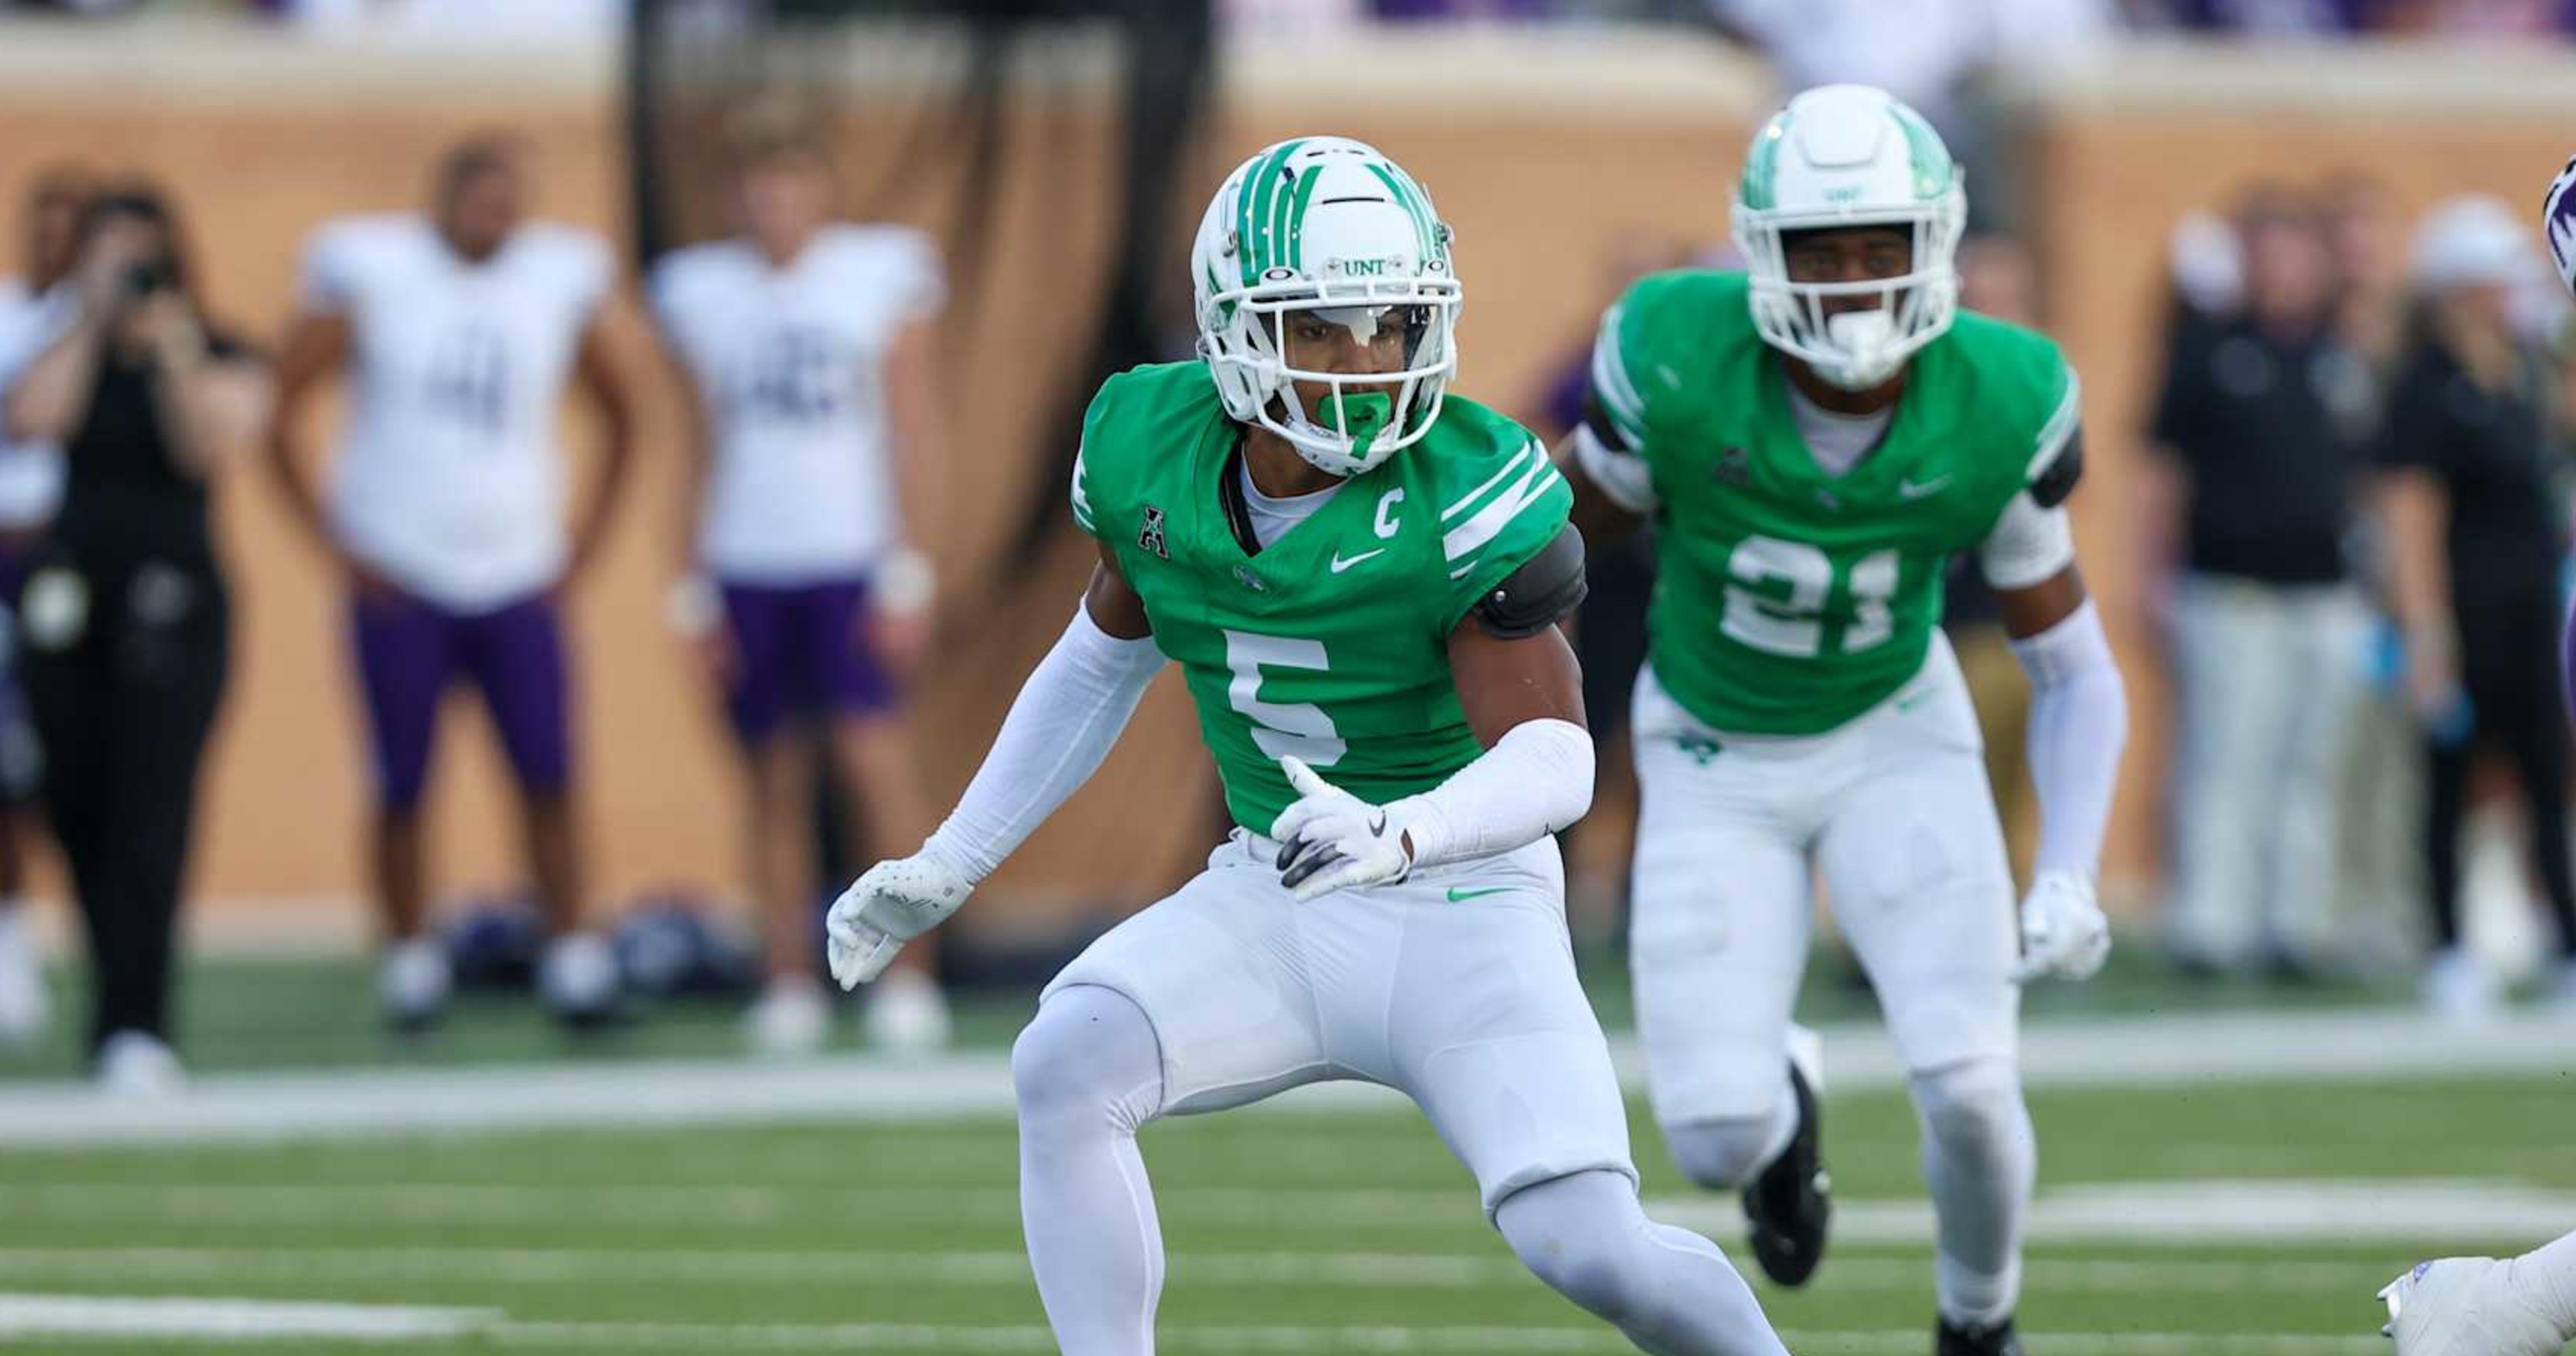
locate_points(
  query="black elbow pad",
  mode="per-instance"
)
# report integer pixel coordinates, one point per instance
(1536, 596)
(2057, 480)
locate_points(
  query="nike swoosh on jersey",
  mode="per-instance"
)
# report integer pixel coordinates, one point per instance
(1341, 562)
(1458, 896)
(1907, 489)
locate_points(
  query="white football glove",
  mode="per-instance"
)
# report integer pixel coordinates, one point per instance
(2063, 932)
(889, 905)
(1332, 840)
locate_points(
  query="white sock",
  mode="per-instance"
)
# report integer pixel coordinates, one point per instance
(2545, 1280)
(1668, 1290)
(1089, 1074)
(1981, 1161)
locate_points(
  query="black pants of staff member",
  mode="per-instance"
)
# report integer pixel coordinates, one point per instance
(2509, 664)
(124, 671)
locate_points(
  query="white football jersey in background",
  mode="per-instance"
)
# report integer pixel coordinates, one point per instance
(31, 474)
(448, 476)
(790, 363)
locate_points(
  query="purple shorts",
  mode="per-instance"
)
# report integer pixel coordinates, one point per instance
(798, 651)
(410, 651)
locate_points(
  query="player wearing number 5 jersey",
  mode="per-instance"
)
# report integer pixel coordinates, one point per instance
(1814, 440)
(1359, 578)
(447, 517)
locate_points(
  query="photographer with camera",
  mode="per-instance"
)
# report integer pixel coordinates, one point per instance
(124, 615)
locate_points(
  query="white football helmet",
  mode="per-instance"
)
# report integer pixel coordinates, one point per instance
(1850, 155)
(2558, 224)
(1329, 226)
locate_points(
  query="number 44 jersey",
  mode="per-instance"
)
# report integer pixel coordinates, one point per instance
(1791, 600)
(1332, 643)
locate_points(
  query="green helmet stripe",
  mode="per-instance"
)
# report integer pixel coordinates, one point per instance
(1423, 221)
(1257, 215)
(1406, 199)
(1297, 216)
(1932, 166)
(1762, 166)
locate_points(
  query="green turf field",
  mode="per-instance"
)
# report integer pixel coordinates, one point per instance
(2242, 1218)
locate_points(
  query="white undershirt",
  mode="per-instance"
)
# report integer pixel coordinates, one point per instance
(1275, 518)
(1839, 441)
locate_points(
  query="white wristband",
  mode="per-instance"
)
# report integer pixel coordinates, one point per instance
(903, 583)
(694, 608)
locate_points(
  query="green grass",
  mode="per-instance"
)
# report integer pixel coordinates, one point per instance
(236, 1014)
(799, 1229)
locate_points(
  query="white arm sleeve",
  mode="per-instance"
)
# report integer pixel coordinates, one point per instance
(1536, 780)
(2030, 545)
(1067, 715)
(2079, 719)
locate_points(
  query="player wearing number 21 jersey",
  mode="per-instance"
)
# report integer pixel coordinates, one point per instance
(1814, 440)
(1359, 578)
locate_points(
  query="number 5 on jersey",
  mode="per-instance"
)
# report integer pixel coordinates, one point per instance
(1795, 627)
(1281, 728)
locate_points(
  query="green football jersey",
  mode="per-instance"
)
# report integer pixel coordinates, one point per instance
(1332, 643)
(1790, 600)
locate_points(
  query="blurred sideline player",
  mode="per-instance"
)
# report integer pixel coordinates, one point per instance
(1814, 442)
(34, 308)
(807, 345)
(1361, 584)
(2479, 1306)
(446, 517)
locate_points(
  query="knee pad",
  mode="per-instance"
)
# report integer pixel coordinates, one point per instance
(1089, 1053)
(1578, 1234)
(1973, 1107)
(1723, 1155)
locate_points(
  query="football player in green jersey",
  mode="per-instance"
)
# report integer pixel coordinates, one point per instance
(1814, 439)
(1359, 577)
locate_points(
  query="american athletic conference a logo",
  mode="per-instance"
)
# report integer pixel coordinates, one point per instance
(1150, 536)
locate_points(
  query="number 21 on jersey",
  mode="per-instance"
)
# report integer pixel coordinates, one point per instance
(1756, 616)
(1281, 728)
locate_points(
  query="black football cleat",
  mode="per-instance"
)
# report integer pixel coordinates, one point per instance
(1790, 1204)
(1958, 1339)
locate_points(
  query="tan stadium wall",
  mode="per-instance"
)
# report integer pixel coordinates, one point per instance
(1547, 153)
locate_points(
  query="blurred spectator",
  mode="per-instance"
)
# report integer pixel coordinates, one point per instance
(446, 519)
(2278, 18)
(1461, 9)
(2379, 842)
(2366, 232)
(808, 348)
(35, 308)
(125, 614)
(2254, 426)
(2475, 549)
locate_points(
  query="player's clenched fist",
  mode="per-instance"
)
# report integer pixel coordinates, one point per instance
(1332, 840)
(889, 905)
(2063, 931)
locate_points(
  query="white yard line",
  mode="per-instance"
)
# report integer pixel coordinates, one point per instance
(229, 1320)
(2165, 1051)
(2177, 1214)
(584, 1268)
(47, 1320)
